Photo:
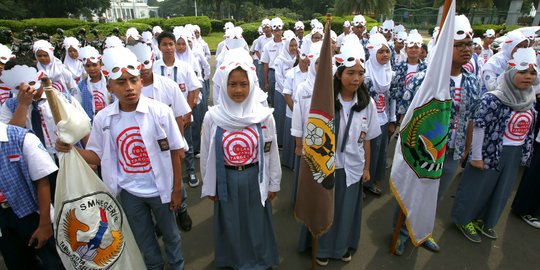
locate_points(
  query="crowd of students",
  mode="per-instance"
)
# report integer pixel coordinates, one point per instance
(152, 91)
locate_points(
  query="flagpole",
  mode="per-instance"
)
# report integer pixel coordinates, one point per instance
(51, 99)
(401, 216)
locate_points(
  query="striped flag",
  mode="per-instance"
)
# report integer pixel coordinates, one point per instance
(315, 196)
(419, 155)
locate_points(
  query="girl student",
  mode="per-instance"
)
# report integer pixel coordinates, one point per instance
(502, 141)
(284, 62)
(71, 59)
(355, 125)
(53, 67)
(378, 80)
(241, 170)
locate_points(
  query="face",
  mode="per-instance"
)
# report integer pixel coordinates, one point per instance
(346, 30)
(43, 57)
(146, 75)
(334, 46)
(423, 53)
(127, 89)
(197, 33)
(300, 33)
(488, 40)
(413, 52)
(1, 67)
(277, 33)
(387, 35)
(293, 47)
(399, 45)
(521, 45)
(74, 54)
(525, 78)
(267, 30)
(180, 45)
(238, 86)
(478, 50)
(316, 37)
(462, 51)
(352, 78)
(190, 44)
(359, 30)
(383, 55)
(93, 69)
(303, 63)
(167, 47)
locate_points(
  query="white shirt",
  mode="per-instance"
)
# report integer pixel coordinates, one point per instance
(363, 128)
(300, 114)
(270, 52)
(517, 128)
(292, 79)
(185, 76)
(272, 166)
(167, 92)
(101, 96)
(261, 42)
(484, 56)
(281, 70)
(457, 101)
(157, 125)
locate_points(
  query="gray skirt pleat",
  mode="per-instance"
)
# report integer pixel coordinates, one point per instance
(279, 115)
(287, 155)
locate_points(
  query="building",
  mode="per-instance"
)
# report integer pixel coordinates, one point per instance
(125, 10)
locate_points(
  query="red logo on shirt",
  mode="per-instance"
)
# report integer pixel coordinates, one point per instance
(134, 158)
(408, 77)
(380, 103)
(518, 126)
(240, 147)
(4, 95)
(99, 100)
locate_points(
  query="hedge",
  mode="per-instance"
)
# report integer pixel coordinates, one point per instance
(15, 26)
(480, 29)
(49, 25)
(150, 21)
(250, 31)
(217, 25)
(202, 21)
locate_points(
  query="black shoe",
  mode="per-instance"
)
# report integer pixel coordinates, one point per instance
(322, 261)
(184, 220)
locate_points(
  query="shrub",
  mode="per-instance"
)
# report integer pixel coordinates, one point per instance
(202, 21)
(15, 26)
(149, 21)
(105, 29)
(250, 31)
(480, 29)
(49, 25)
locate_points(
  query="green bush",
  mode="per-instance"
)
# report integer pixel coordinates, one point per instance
(49, 25)
(480, 29)
(15, 26)
(105, 29)
(250, 31)
(202, 21)
(150, 21)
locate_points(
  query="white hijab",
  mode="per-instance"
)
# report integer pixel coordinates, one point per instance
(380, 75)
(499, 62)
(285, 56)
(230, 115)
(74, 66)
(313, 55)
(55, 69)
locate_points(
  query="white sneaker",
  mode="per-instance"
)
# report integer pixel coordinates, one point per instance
(193, 181)
(531, 221)
(198, 155)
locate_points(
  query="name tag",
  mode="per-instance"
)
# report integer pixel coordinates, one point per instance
(164, 144)
(267, 146)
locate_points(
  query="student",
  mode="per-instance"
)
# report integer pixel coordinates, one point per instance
(200, 43)
(5, 56)
(25, 195)
(359, 29)
(137, 142)
(261, 41)
(71, 58)
(270, 52)
(299, 32)
(400, 53)
(487, 40)
(241, 171)
(53, 67)
(221, 45)
(284, 62)
(379, 76)
(93, 87)
(500, 147)
(346, 31)
(356, 124)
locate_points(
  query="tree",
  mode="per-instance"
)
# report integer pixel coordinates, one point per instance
(22, 9)
(346, 7)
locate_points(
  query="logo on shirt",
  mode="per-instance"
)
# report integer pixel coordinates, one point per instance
(423, 139)
(518, 126)
(99, 100)
(89, 231)
(133, 155)
(380, 103)
(240, 147)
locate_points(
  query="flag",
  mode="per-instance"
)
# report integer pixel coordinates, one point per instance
(419, 154)
(90, 228)
(315, 196)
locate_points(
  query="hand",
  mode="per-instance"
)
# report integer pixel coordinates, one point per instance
(176, 200)
(391, 129)
(298, 150)
(366, 177)
(187, 120)
(271, 195)
(62, 146)
(213, 198)
(40, 236)
(26, 94)
(266, 87)
(478, 164)
(463, 160)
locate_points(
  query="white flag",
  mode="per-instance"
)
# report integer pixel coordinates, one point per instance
(419, 155)
(90, 228)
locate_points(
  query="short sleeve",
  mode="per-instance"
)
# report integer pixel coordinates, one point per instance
(170, 126)
(373, 129)
(39, 161)
(95, 139)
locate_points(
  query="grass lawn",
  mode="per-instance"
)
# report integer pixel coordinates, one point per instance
(213, 39)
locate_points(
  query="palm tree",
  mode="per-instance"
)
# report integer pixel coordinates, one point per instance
(345, 7)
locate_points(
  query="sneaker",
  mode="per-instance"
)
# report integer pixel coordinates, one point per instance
(531, 221)
(488, 232)
(431, 245)
(322, 261)
(193, 181)
(198, 155)
(347, 257)
(373, 188)
(469, 231)
(184, 220)
(400, 247)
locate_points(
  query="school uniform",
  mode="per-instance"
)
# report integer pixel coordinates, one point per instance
(283, 63)
(269, 55)
(134, 148)
(23, 160)
(344, 234)
(403, 74)
(258, 46)
(293, 78)
(94, 96)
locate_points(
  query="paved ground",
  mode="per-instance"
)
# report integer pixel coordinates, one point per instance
(515, 249)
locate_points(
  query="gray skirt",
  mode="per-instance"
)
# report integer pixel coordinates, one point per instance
(279, 115)
(344, 234)
(287, 155)
(243, 232)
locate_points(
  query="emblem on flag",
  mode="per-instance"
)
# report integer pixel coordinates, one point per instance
(319, 147)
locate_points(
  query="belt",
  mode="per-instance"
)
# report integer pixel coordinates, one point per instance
(241, 168)
(4, 205)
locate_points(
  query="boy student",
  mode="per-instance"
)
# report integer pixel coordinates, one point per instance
(94, 93)
(25, 197)
(189, 84)
(258, 46)
(138, 144)
(268, 58)
(489, 37)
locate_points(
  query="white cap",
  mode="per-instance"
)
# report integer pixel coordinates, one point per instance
(462, 28)
(399, 28)
(374, 30)
(71, 42)
(5, 54)
(299, 25)
(333, 35)
(359, 20)
(112, 42)
(349, 52)
(387, 26)
(376, 42)
(313, 22)
(288, 34)
(477, 41)
(489, 33)
(277, 23)
(401, 36)
(523, 58)
(143, 53)
(347, 24)
(228, 25)
(89, 53)
(266, 22)
(147, 36)
(414, 38)
(119, 59)
(157, 29)
(18, 74)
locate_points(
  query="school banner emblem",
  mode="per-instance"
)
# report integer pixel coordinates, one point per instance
(423, 139)
(421, 147)
(319, 147)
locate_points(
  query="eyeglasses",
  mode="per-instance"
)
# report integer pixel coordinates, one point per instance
(462, 46)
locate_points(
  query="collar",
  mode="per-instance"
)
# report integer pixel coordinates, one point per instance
(354, 100)
(142, 106)
(3, 132)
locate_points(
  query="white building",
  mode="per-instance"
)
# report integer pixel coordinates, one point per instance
(129, 10)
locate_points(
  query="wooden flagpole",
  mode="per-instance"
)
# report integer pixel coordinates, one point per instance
(51, 99)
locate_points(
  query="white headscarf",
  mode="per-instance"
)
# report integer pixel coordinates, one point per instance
(55, 69)
(380, 75)
(73, 65)
(285, 56)
(313, 55)
(187, 56)
(499, 62)
(230, 115)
